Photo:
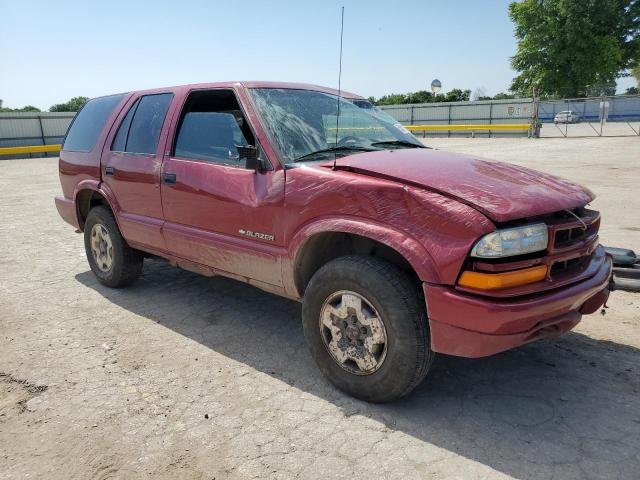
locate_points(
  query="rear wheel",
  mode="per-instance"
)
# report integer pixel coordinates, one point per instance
(111, 259)
(367, 329)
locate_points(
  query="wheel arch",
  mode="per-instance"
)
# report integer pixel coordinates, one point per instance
(327, 239)
(89, 194)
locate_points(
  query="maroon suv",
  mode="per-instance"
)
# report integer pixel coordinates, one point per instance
(395, 250)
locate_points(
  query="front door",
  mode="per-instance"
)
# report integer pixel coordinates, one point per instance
(217, 212)
(131, 167)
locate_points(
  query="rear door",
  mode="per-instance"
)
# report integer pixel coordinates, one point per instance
(218, 212)
(131, 166)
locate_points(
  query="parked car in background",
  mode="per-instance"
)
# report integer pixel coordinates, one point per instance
(567, 116)
(396, 251)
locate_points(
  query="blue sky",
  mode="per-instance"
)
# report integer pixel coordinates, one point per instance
(53, 50)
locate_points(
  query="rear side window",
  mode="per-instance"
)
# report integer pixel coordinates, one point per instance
(140, 128)
(120, 142)
(89, 122)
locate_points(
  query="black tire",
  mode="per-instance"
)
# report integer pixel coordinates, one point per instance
(400, 306)
(126, 262)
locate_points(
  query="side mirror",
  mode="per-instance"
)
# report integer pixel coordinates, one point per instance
(250, 154)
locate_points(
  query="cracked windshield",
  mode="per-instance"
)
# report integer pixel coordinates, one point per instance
(303, 123)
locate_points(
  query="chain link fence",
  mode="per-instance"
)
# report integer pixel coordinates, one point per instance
(599, 116)
(586, 117)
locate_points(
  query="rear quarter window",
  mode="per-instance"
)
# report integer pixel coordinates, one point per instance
(89, 122)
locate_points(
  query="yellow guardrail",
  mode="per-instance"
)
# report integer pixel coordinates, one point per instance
(30, 149)
(479, 127)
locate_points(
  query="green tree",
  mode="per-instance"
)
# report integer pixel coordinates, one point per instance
(457, 95)
(422, 96)
(26, 108)
(503, 96)
(403, 98)
(72, 105)
(632, 91)
(604, 88)
(635, 72)
(567, 46)
(498, 96)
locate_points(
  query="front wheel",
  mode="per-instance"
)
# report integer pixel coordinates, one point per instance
(114, 263)
(365, 322)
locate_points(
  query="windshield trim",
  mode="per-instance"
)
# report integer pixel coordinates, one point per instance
(337, 150)
(258, 114)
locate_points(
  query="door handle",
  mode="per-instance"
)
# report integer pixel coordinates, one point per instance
(169, 178)
(109, 171)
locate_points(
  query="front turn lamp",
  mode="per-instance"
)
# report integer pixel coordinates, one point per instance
(512, 241)
(501, 280)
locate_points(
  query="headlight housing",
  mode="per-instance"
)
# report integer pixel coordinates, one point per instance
(510, 242)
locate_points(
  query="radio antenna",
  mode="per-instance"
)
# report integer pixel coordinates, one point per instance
(339, 86)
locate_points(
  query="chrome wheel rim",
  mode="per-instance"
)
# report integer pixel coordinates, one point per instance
(353, 332)
(101, 247)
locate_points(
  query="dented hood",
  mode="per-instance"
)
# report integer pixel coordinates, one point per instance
(501, 191)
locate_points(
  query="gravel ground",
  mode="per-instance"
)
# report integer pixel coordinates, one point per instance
(180, 376)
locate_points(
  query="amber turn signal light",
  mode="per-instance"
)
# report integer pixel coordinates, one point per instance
(496, 281)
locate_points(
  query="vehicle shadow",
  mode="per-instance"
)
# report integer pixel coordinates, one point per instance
(567, 409)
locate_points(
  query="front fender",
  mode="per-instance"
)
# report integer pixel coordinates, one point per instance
(412, 251)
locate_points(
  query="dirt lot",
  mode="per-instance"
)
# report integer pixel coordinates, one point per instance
(181, 376)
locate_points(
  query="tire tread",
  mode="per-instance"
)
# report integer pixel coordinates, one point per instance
(129, 267)
(399, 285)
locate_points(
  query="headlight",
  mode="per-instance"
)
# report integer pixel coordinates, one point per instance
(512, 241)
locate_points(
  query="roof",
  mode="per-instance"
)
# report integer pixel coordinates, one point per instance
(258, 84)
(298, 86)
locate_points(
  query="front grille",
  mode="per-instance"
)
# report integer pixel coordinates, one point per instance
(568, 229)
(568, 266)
(571, 236)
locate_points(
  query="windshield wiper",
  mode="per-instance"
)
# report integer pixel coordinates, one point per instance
(333, 149)
(398, 142)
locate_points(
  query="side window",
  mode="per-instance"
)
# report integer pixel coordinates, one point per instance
(210, 128)
(89, 122)
(120, 141)
(140, 128)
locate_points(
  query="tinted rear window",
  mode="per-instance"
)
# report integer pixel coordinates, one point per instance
(89, 122)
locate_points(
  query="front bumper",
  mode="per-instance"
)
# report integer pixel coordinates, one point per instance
(469, 325)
